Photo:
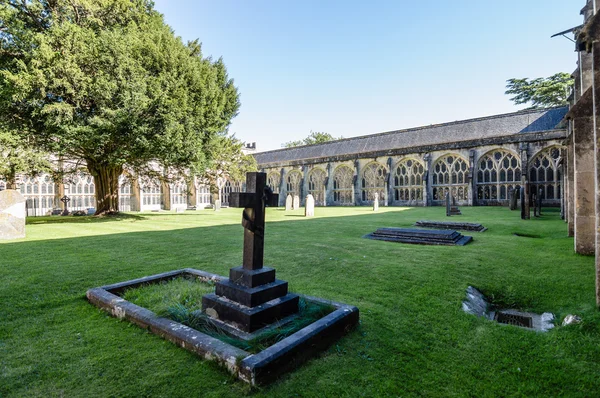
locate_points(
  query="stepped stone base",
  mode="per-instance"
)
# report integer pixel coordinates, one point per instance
(464, 226)
(249, 319)
(420, 236)
(454, 211)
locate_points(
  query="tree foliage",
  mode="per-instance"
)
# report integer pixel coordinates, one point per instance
(18, 157)
(108, 82)
(225, 160)
(315, 137)
(541, 92)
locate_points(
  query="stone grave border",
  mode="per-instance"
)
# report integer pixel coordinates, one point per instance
(256, 369)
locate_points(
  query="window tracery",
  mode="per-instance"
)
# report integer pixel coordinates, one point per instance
(316, 185)
(497, 172)
(545, 173)
(343, 178)
(408, 180)
(373, 180)
(450, 175)
(273, 180)
(293, 181)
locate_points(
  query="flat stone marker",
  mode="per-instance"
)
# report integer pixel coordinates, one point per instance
(12, 215)
(420, 236)
(296, 204)
(288, 202)
(309, 206)
(376, 201)
(251, 298)
(451, 209)
(463, 226)
(513, 194)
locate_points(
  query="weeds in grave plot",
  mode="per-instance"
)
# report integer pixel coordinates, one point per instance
(180, 300)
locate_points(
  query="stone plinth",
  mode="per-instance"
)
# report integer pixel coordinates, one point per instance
(12, 215)
(420, 236)
(464, 226)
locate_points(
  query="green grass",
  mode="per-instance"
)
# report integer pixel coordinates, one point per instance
(180, 299)
(413, 339)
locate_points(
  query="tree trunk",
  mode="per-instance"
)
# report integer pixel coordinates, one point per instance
(106, 179)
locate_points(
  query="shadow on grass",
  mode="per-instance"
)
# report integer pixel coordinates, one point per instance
(82, 219)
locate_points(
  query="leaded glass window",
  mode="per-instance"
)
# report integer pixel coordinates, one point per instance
(227, 189)
(39, 194)
(203, 195)
(498, 171)
(373, 180)
(178, 193)
(152, 194)
(450, 175)
(273, 180)
(293, 180)
(82, 192)
(544, 173)
(343, 178)
(124, 194)
(316, 185)
(408, 180)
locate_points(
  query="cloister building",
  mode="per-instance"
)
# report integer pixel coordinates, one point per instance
(478, 161)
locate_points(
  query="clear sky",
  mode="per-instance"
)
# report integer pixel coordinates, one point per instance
(353, 68)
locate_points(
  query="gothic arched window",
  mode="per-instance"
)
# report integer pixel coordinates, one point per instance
(450, 175)
(497, 172)
(316, 185)
(408, 180)
(293, 181)
(544, 173)
(273, 180)
(343, 177)
(373, 180)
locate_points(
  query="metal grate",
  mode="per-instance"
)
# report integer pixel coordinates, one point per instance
(516, 320)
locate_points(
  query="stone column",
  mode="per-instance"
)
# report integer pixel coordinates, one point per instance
(570, 183)
(357, 188)
(427, 180)
(329, 186)
(282, 188)
(390, 186)
(585, 179)
(472, 197)
(304, 185)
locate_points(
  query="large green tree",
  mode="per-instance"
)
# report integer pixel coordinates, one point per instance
(541, 92)
(315, 137)
(18, 157)
(108, 82)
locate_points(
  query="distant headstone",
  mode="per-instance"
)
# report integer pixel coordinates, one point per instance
(512, 198)
(525, 214)
(539, 201)
(451, 209)
(376, 201)
(217, 205)
(12, 215)
(296, 204)
(288, 202)
(309, 206)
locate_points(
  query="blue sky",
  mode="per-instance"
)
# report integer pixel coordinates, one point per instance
(353, 68)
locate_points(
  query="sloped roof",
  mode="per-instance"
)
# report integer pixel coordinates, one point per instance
(529, 121)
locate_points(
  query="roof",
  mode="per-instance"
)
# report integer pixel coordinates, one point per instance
(528, 121)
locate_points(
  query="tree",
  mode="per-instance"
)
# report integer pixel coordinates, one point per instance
(314, 137)
(17, 157)
(108, 82)
(225, 160)
(541, 92)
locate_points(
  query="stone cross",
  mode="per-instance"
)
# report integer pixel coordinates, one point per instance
(65, 199)
(258, 195)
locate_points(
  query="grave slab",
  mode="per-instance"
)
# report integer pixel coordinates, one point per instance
(420, 236)
(463, 226)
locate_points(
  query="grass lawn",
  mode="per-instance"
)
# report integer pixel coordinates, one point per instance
(413, 339)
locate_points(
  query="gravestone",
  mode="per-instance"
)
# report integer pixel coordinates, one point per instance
(451, 209)
(288, 202)
(296, 203)
(12, 215)
(217, 206)
(420, 236)
(525, 210)
(539, 201)
(65, 199)
(465, 226)
(251, 298)
(513, 194)
(309, 206)
(376, 201)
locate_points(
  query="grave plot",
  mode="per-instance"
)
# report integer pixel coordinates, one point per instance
(463, 226)
(248, 307)
(420, 236)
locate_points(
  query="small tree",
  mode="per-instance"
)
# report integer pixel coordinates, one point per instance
(225, 160)
(18, 157)
(315, 137)
(108, 83)
(541, 92)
